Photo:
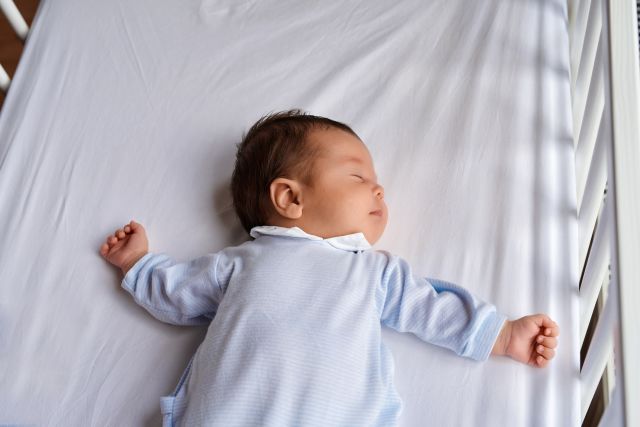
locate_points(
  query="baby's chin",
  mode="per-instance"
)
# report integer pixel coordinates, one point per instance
(372, 236)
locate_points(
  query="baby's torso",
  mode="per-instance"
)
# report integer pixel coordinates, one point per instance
(296, 340)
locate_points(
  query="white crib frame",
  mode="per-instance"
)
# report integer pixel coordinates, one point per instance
(605, 91)
(606, 115)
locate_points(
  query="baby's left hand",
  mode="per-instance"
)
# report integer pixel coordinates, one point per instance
(530, 339)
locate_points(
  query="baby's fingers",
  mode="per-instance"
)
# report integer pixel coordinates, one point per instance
(541, 362)
(548, 326)
(552, 331)
(135, 226)
(550, 342)
(545, 352)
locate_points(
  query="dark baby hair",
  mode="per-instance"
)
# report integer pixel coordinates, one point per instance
(275, 146)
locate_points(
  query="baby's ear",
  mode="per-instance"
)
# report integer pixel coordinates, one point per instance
(286, 197)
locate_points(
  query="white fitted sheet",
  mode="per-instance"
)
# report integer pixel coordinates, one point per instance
(131, 109)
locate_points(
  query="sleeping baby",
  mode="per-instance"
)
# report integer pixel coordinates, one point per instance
(295, 314)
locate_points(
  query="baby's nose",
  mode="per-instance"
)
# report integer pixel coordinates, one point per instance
(379, 191)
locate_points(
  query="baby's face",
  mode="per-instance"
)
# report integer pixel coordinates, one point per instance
(344, 196)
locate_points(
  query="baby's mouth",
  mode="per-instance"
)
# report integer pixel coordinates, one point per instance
(377, 213)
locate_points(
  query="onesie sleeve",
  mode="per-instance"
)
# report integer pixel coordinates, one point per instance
(185, 293)
(437, 312)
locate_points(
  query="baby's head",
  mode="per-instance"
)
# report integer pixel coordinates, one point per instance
(298, 170)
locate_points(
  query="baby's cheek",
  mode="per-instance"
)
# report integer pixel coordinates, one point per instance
(339, 215)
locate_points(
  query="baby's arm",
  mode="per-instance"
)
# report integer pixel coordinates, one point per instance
(126, 246)
(449, 316)
(186, 293)
(437, 312)
(530, 340)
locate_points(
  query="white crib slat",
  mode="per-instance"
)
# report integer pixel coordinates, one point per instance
(579, 18)
(4, 79)
(588, 133)
(597, 355)
(596, 270)
(596, 76)
(587, 60)
(589, 92)
(593, 195)
(625, 154)
(15, 18)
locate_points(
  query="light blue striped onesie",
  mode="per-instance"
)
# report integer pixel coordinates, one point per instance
(295, 338)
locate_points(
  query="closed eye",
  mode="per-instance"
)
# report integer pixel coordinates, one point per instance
(359, 177)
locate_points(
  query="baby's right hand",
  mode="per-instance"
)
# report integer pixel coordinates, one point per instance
(126, 246)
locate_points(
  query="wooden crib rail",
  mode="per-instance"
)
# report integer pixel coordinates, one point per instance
(606, 115)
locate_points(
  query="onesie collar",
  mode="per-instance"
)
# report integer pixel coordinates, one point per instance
(348, 242)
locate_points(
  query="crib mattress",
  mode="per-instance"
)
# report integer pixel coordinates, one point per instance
(127, 110)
